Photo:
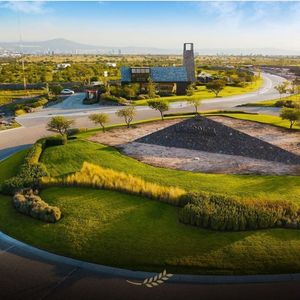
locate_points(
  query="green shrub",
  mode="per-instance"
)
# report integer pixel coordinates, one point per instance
(142, 97)
(39, 103)
(26, 202)
(33, 155)
(108, 97)
(218, 212)
(74, 131)
(28, 177)
(55, 141)
(285, 103)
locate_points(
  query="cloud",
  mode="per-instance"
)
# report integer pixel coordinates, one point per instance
(28, 7)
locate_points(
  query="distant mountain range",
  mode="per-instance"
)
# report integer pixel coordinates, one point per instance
(63, 46)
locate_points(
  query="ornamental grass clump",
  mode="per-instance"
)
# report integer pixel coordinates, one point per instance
(29, 203)
(95, 176)
(218, 212)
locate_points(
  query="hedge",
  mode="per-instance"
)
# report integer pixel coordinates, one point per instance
(55, 141)
(218, 212)
(26, 202)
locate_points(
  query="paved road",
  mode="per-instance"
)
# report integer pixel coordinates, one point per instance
(34, 124)
(26, 275)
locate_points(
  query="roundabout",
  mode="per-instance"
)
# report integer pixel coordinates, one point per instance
(131, 232)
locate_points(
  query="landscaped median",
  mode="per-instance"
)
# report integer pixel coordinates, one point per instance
(110, 215)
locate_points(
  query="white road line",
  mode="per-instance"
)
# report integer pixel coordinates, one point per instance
(7, 249)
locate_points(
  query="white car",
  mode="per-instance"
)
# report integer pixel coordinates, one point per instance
(67, 92)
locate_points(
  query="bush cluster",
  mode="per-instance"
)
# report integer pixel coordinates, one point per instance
(55, 141)
(143, 97)
(286, 103)
(27, 202)
(108, 97)
(95, 176)
(28, 177)
(218, 212)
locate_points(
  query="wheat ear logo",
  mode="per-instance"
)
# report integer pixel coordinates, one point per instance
(153, 281)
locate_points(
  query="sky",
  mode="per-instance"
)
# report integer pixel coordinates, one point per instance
(238, 24)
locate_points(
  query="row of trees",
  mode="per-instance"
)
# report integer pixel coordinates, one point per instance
(48, 72)
(61, 124)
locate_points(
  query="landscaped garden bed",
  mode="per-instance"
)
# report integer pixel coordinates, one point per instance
(125, 230)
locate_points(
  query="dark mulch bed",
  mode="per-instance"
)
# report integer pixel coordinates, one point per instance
(203, 134)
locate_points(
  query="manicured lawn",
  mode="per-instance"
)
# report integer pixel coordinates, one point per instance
(9, 167)
(66, 159)
(266, 119)
(131, 232)
(203, 93)
(271, 103)
(7, 95)
(121, 230)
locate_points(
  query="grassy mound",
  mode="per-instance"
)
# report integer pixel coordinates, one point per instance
(63, 160)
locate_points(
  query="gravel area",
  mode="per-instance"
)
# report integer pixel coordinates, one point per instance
(283, 138)
(210, 136)
(200, 161)
(181, 158)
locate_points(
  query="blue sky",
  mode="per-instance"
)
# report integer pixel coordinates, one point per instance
(156, 24)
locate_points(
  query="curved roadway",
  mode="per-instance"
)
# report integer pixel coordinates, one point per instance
(34, 124)
(27, 273)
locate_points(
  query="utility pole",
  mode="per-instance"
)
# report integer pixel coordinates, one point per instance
(21, 52)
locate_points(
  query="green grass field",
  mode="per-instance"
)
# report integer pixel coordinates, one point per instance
(6, 96)
(271, 103)
(133, 232)
(203, 93)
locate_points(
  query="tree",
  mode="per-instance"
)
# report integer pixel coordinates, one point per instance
(151, 89)
(130, 91)
(281, 88)
(127, 113)
(291, 114)
(100, 119)
(56, 89)
(195, 102)
(190, 90)
(216, 86)
(60, 124)
(159, 105)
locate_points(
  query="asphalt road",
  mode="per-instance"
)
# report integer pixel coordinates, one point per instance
(34, 124)
(25, 275)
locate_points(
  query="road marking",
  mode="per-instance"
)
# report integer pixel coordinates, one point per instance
(60, 282)
(7, 249)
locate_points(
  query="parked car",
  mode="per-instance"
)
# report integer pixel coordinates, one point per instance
(67, 92)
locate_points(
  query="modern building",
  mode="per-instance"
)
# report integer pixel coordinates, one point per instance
(173, 80)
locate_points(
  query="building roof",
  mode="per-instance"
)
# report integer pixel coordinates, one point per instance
(159, 74)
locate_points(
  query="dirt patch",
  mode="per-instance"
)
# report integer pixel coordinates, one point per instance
(202, 161)
(122, 135)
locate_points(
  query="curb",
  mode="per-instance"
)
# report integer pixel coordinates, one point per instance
(139, 275)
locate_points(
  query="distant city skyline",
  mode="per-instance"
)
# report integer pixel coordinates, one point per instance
(163, 25)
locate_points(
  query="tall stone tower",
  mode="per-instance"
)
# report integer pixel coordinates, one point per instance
(189, 60)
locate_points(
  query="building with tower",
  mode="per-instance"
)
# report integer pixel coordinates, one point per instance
(168, 80)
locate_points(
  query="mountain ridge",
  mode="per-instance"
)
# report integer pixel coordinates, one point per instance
(65, 46)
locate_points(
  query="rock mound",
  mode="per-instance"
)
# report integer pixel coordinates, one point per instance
(204, 134)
